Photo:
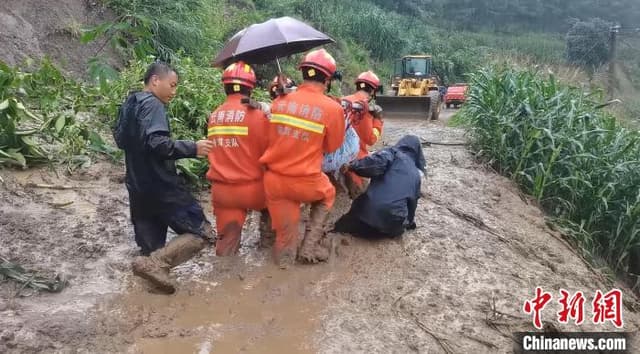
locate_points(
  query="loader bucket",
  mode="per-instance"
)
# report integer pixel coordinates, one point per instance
(405, 106)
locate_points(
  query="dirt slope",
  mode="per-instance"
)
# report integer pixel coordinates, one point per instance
(35, 28)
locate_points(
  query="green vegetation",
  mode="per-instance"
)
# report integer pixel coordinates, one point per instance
(41, 120)
(46, 117)
(588, 43)
(577, 160)
(26, 278)
(515, 15)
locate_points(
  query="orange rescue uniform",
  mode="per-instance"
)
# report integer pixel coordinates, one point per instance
(304, 125)
(240, 136)
(368, 129)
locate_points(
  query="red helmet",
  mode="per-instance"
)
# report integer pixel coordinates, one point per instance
(239, 73)
(321, 60)
(368, 77)
(287, 81)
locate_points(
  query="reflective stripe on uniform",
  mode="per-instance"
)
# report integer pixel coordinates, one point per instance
(228, 130)
(297, 123)
(376, 132)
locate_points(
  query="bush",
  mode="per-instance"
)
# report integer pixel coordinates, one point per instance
(41, 116)
(588, 43)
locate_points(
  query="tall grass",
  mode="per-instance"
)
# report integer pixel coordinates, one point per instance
(577, 160)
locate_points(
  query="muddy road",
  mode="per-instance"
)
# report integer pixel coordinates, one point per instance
(456, 284)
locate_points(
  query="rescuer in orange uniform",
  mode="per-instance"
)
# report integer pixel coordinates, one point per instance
(368, 124)
(240, 137)
(305, 124)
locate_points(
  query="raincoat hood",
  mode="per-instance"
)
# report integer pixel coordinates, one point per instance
(410, 145)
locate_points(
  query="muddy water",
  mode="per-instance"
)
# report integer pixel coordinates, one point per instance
(227, 305)
(260, 310)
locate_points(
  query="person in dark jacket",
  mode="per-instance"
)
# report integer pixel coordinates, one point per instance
(388, 206)
(157, 197)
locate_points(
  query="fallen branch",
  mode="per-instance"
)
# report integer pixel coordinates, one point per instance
(477, 222)
(29, 279)
(396, 301)
(61, 205)
(481, 341)
(429, 143)
(441, 341)
(53, 186)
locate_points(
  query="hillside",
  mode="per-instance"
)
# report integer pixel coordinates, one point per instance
(33, 29)
(370, 33)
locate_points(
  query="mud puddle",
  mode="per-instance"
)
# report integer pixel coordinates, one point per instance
(227, 305)
(265, 310)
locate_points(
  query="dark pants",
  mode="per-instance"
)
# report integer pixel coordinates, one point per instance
(349, 224)
(151, 218)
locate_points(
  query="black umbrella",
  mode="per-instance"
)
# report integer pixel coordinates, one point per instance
(276, 38)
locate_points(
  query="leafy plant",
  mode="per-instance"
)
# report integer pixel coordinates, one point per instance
(577, 160)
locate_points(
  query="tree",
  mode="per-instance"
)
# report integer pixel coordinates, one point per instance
(588, 43)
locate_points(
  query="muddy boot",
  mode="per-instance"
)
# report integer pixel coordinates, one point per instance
(312, 249)
(285, 259)
(155, 268)
(267, 234)
(228, 243)
(286, 245)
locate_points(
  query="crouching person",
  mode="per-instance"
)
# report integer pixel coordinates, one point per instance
(388, 206)
(157, 197)
(240, 134)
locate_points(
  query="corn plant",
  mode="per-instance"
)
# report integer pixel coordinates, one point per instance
(577, 160)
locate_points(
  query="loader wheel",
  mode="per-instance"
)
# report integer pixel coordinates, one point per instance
(434, 105)
(448, 105)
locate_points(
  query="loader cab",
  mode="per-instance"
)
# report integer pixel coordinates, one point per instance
(413, 67)
(417, 67)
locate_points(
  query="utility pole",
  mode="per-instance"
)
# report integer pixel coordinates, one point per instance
(613, 37)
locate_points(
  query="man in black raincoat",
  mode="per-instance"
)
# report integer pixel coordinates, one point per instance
(157, 198)
(388, 206)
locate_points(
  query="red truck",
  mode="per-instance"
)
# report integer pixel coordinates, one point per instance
(456, 95)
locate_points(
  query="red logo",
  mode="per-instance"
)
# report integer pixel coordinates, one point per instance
(608, 307)
(571, 308)
(536, 305)
(605, 307)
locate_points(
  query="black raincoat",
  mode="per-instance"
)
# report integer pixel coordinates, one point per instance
(158, 197)
(388, 206)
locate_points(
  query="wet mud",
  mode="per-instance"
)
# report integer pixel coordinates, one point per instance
(456, 284)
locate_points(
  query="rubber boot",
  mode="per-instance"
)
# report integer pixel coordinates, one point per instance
(228, 243)
(267, 234)
(285, 246)
(155, 268)
(285, 259)
(312, 249)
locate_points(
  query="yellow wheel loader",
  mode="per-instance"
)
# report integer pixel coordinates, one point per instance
(414, 90)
